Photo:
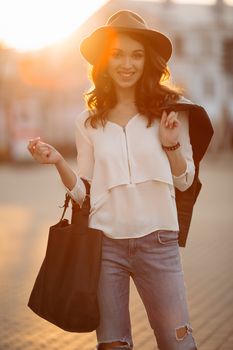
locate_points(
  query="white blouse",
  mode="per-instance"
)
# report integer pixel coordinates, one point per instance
(132, 189)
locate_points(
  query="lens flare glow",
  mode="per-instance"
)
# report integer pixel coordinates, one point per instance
(33, 24)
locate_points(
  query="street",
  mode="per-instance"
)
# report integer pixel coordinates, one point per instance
(29, 200)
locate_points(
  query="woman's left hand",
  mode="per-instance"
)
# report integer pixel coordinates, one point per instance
(169, 129)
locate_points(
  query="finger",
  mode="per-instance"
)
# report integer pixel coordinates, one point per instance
(173, 123)
(41, 146)
(32, 143)
(31, 149)
(35, 151)
(163, 118)
(172, 119)
(172, 115)
(45, 153)
(43, 150)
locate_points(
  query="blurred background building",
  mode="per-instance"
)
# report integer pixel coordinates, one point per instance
(41, 92)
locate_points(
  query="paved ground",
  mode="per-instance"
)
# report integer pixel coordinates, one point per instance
(28, 206)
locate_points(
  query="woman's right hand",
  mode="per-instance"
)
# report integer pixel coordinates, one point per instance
(43, 152)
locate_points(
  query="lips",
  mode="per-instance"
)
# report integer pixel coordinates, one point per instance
(126, 75)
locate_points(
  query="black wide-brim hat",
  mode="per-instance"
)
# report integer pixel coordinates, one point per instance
(127, 22)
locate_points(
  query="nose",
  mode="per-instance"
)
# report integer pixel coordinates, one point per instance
(127, 62)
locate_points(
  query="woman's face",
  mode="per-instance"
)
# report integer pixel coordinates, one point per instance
(126, 61)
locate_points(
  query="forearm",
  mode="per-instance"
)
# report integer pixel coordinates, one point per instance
(67, 175)
(177, 162)
(183, 170)
(180, 154)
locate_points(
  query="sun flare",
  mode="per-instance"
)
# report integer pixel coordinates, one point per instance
(33, 24)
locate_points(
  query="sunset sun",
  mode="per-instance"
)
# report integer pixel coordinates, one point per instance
(33, 24)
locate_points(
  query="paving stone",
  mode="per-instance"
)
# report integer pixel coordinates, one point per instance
(26, 212)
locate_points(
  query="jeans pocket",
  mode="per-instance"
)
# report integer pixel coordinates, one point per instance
(167, 237)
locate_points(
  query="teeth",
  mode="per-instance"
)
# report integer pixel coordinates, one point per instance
(126, 74)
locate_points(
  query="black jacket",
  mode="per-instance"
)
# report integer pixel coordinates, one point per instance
(201, 132)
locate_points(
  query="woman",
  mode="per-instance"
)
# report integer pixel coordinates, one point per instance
(134, 154)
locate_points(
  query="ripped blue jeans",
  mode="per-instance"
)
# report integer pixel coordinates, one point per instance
(153, 262)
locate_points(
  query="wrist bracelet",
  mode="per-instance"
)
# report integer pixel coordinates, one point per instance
(171, 148)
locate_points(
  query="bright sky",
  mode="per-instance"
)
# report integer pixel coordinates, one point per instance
(33, 24)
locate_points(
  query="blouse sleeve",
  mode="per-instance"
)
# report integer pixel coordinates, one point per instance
(85, 159)
(185, 180)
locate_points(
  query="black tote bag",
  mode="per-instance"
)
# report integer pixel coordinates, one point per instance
(65, 290)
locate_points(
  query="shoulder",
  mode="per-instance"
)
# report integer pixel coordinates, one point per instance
(81, 131)
(183, 113)
(172, 100)
(182, 105)
(81, 118)
(184, 100)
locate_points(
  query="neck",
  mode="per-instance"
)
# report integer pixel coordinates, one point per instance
(125, 96)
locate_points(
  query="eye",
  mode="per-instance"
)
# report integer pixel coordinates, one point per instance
(115, 54)
(138, 55)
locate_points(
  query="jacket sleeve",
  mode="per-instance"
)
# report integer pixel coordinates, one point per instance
(185, 180)
(85, 159)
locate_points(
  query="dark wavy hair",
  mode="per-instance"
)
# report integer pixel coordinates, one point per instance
(151, 89)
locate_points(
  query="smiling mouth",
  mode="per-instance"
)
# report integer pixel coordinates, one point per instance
(126, 76)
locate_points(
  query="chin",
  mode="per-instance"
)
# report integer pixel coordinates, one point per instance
(126, 84)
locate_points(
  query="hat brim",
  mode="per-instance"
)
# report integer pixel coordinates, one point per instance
(92, 46)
